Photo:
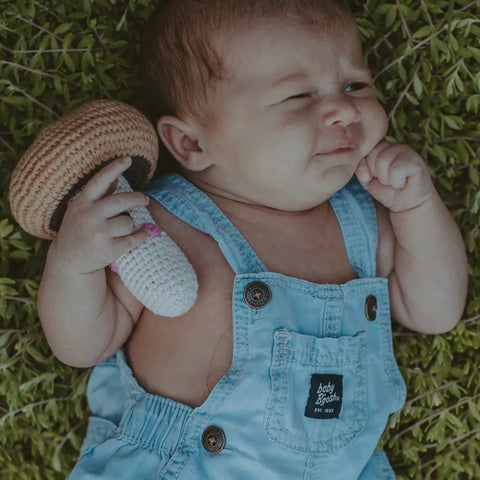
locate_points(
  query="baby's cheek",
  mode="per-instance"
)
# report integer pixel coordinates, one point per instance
(376, 125)
(380, 120)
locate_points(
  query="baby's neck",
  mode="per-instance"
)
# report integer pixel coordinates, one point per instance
(306, 244)
(271, 219)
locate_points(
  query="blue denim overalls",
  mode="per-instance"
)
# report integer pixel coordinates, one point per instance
(312, 382)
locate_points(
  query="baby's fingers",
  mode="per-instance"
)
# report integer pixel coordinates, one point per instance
(120, 226)
(392, 165)
(99, 185)
(400, 171)
(379, 162)
(129, 242)
(119, 203)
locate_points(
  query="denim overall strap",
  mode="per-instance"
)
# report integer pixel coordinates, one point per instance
(353, 207)
(195, 208)
(356, 214)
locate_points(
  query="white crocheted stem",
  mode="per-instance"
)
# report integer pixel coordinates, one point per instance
(138, 215)
(157, 272)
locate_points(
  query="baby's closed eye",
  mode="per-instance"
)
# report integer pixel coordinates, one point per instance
(299, 96)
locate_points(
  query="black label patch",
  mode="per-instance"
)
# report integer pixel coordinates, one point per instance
(325, 397)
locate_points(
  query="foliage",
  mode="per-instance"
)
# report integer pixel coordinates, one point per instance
(426, 57)
(55, 55)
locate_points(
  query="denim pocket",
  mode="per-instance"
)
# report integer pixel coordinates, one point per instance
(318, 395)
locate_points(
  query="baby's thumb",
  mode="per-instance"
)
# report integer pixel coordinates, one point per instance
(363, 173)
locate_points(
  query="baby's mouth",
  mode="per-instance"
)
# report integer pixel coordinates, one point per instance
(339, 149)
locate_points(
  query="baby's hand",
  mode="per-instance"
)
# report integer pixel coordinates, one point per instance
(395, 176)
(94, 233)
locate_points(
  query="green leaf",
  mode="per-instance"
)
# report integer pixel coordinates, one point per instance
(474, 175)
(67, 41)
(417, 85)
(423, 32)
(475, 53)
(453, 122)
(62, 28)
(5, 228)
(4, 338)
(474, 411)
(68, 61)
(88, 41)
(391, 16)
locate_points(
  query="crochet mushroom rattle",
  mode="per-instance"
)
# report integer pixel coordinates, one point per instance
(61, 160)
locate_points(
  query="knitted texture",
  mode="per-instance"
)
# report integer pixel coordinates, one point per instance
(68, 152)
(157, 272)
(64, 156)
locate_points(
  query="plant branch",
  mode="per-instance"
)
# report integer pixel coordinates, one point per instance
(435, 415)
(22, 67)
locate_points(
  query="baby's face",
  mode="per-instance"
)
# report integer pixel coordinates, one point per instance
(293, 119)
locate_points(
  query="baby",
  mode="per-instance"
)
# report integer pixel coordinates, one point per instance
(305, 227)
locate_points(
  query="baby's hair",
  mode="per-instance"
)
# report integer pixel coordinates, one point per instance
(178, 61)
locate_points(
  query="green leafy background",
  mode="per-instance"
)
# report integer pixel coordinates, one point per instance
(55, 55)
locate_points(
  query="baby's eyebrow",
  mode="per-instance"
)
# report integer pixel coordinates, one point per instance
(359, 69)
(363, 70)
(290, 78)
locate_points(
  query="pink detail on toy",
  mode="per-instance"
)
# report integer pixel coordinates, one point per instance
(153, 230)
(113, 268)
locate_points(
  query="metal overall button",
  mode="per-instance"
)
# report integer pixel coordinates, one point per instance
(213, 440)
(371, 307)
(257, 294)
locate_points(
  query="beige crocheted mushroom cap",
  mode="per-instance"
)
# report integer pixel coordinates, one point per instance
(67, 153)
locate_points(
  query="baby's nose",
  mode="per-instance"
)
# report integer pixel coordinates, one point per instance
(340, 112)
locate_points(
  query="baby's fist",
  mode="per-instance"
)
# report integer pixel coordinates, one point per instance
(395, 176)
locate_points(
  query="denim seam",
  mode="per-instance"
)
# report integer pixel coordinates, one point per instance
(390, 364)
(350, 231)
(316, 353)
(317, 291)
(369, 237)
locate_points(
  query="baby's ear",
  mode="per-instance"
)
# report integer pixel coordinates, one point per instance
(181, 139)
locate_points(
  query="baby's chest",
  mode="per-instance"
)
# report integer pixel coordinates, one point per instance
(183, 358)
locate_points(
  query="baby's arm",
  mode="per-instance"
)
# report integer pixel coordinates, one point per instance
(421, 249)
(85, 311)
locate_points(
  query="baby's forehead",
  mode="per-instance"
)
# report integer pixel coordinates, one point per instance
(228, 41)
(268, 44)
